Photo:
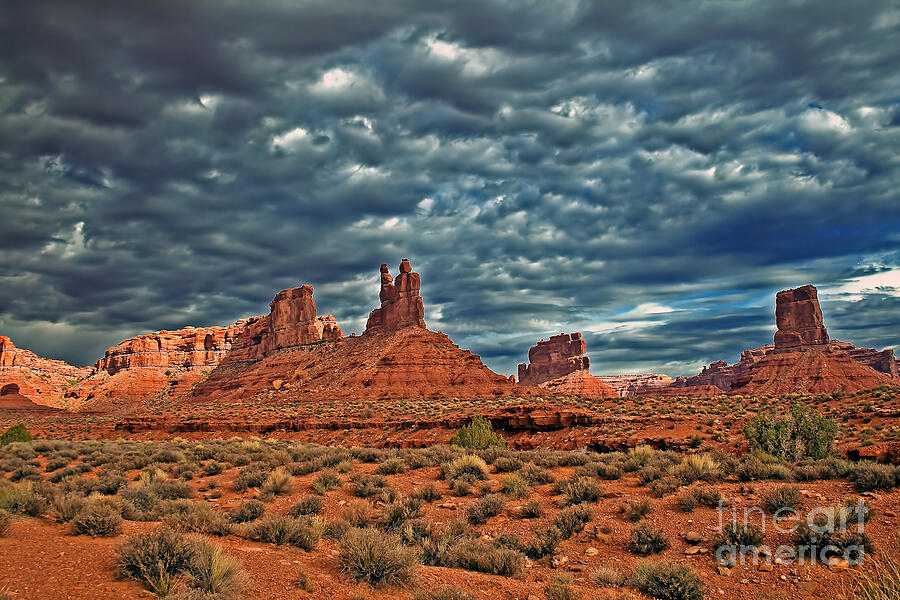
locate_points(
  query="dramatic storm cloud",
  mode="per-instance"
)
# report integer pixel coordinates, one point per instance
(647, 173)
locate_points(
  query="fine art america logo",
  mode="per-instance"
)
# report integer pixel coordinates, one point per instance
(827, 534)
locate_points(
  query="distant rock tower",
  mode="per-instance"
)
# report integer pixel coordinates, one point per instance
(799, 319)
(401, 305)
(560, 355)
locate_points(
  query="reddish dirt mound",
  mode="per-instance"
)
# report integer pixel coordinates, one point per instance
(11, 399)
(579, 383)
(810, 371)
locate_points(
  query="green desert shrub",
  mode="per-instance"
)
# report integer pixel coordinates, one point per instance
(782, 498)
(5, 520)
(280, 529)
(477, 435)
(248, 511)
(543, 543)
(391, 466)
(514, 485)
(307, 506)
(485, 508)
(647, 539)
(188, 515)
(802, 433)
(157, 559)
(377, 558)
(507, 464)
(736, 539)
(604, 576)
(97, 519)
(468, 465)
(635, 510)
(531, 510)
(572, 520)
(365, 486)
(579, 490)
(427, 493)
(326, 481)
(560, 588)
(484, 557)
(667, 580)
(536, 475)
(163, 557)
(278, 482)
(704, 495)
(16, 433)
(65, 505)
(443, 593)
(868, 477)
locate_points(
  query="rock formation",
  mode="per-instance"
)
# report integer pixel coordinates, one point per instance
(803, 358)
(550, 359)
(799, 319)
(12, 399)
(188, 348)
(396, 357)
(579, 383)
(292, 321)
(636, 385)
(401, 305)
(41, 380)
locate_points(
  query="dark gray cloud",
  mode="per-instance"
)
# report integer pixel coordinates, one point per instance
(647, 173)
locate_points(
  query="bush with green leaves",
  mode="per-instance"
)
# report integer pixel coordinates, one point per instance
(16, 433)
(477, 435)
(802, 433)
(377, 558)
(704, 495)
(467, 466)
(514, 485)
(647, 539)
(667, 580)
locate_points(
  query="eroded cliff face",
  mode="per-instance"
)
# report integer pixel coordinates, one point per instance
(44, 381)
(188, 348)
(292, 321)
(554, 358)
(401, 305)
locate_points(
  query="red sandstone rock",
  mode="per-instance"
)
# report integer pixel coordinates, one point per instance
(579, 383)
(401, 305)
(41, 380)
(395, 358)
(636, 385)
(813, 371)
(292, 321)
(11, 399)
(799, 319)
(550, 359)
(188, 348)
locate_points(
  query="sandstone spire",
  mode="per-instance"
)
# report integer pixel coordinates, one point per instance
(401, 305)
(799, 319)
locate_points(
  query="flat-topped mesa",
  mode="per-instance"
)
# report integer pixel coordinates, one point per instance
(187, 348)
(401, 305)
(549, 359)
(292, 321)
(799, 319)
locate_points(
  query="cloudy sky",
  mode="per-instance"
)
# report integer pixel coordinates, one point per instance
(647, 173)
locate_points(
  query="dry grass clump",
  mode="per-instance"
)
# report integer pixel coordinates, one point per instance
(377, 558)
(98, 518)
(280, 529)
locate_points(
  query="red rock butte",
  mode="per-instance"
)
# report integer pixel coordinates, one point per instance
(396, 357)
(549, 359)
(802, 360)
